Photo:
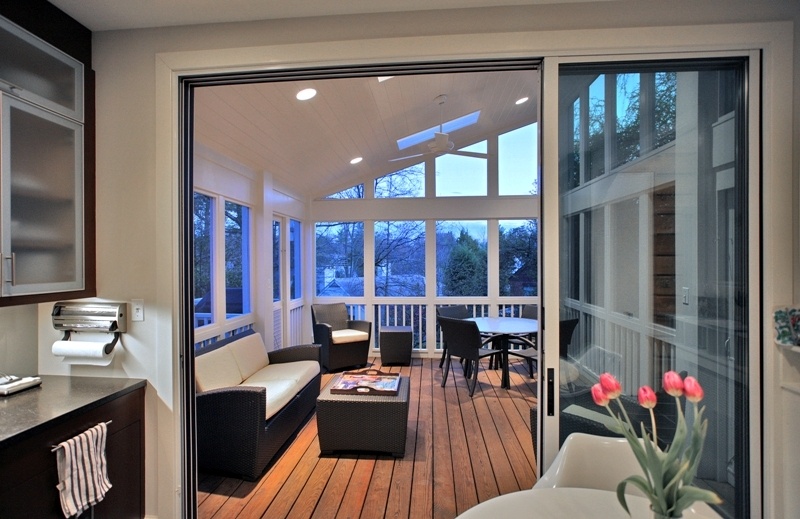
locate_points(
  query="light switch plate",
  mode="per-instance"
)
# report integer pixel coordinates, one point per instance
(137, 309)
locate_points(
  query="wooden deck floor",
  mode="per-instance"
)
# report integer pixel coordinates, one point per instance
(459, 452)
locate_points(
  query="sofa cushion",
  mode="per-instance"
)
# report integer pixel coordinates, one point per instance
(283, 381)
(590, 414)
(301, 372)
(348, 335)
(250, 354)
(279, 393)
(216, 369)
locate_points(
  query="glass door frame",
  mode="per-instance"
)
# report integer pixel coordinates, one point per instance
(548, 419)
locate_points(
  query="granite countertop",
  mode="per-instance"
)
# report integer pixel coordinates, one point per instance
(57, 399)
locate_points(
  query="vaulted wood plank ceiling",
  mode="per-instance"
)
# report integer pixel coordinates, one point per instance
(307, 145)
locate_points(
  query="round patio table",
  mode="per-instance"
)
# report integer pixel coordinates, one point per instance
(502, 328)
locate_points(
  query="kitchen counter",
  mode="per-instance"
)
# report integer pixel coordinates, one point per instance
(34, 420)
(56, 400)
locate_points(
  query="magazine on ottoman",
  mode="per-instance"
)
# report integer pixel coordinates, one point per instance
(366, 382)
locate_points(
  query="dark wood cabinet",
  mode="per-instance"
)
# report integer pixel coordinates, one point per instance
(35, 420)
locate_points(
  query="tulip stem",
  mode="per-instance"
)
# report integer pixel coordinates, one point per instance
(653, 422)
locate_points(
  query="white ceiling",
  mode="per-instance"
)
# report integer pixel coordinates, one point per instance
(105, 15)
(307, 146)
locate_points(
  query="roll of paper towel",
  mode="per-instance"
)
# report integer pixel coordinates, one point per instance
(83, 352)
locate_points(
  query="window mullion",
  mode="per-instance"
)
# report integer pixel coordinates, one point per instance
(218, 308)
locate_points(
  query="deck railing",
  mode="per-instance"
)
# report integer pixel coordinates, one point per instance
(637, 353)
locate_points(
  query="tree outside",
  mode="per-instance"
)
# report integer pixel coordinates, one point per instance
(400, 259)
(203, 233)
(519, 263)
(463, 267)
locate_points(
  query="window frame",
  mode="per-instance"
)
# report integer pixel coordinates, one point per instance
(220, 322)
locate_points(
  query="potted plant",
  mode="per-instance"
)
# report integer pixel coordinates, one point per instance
(668, 473)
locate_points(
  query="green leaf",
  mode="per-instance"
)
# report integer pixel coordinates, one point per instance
(621, 495)
(676, 448)
(615, 428)
(677, 478)
(640, 483)
(689, 494)
(695, 450)
(654, 468)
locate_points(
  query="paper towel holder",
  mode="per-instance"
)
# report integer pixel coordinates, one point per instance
(71, 316)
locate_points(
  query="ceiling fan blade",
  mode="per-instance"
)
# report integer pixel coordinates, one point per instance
(408, 157)
(469, 154)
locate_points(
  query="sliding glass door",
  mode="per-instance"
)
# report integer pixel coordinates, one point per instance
(653, 248)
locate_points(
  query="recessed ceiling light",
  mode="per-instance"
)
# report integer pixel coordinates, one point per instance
(520, 101)
(356, 160)
(306, 94)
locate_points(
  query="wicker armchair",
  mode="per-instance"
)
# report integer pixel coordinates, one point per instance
(343, 342)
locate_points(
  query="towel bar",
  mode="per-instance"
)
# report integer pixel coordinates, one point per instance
(56, 447)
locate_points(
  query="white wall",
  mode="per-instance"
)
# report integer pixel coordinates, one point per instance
(18, 340)
(137, 156)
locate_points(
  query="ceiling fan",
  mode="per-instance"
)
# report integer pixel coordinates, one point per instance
(441, 143)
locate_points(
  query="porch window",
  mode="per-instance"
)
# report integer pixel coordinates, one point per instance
(203, 219)
(518, 161)
(276, 260)
(400, 259)
(519, 245)
(406, 183)
(295, 260)
(461, 254)
(340, 259)
(237, 259)
(351, 192)
(458, 175)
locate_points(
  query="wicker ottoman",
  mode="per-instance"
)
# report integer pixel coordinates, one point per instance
(396, 344)
(363, 422)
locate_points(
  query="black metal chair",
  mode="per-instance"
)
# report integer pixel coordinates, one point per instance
(464, 341)
(566, 328)
(453, 312)
(529, 350)
(343, 341)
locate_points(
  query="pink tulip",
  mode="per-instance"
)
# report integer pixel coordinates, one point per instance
(599, 396)
(693, 389)
(647, 397)
(673, 384)
(611, 386)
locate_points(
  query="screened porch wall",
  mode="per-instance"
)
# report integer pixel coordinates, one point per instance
(417, 312)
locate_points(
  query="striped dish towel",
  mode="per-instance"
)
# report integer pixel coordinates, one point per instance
(82, 471)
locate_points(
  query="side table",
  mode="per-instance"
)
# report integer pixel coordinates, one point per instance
(395, 343)
(363, 422)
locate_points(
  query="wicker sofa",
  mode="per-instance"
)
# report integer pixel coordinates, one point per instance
(250, 402)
